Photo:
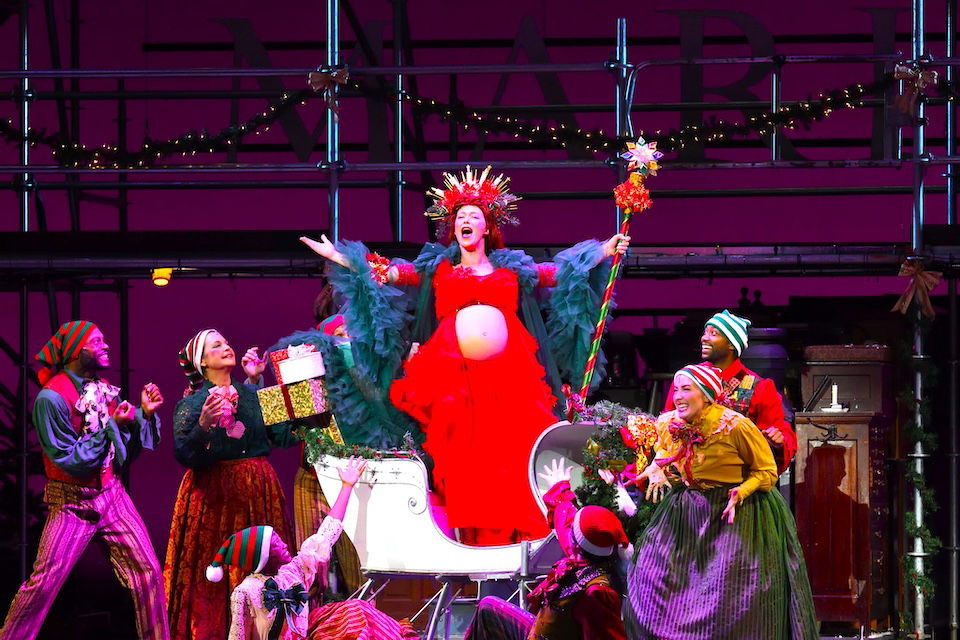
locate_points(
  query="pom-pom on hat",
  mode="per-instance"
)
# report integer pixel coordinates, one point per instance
(706, 378)
(733, 328)
(598, 531)
(63, 346)
(248, 549)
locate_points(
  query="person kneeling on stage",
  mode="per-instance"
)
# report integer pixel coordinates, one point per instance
(272, 601)
(581, 596)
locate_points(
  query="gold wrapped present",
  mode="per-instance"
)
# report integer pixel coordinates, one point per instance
(308, 398)
(273, 405)
(286, 402)
(333, 431)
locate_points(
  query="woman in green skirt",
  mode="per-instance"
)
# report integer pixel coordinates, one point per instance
(720, 558)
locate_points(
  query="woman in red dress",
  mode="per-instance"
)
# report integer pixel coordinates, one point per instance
(477, 385)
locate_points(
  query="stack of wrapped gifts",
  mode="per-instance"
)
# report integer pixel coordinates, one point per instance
(300, 392)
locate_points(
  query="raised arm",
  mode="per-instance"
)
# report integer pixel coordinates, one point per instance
(314, 553)
(349, 476)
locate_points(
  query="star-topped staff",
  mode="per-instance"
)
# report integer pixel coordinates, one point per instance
(632, 197)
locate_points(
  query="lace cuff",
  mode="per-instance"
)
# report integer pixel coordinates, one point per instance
(237, 613)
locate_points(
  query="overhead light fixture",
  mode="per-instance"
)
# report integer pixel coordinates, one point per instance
(161, 277)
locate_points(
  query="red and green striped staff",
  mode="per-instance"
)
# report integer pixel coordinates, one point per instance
(632, 197)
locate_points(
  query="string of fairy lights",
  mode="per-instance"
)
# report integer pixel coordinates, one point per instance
(546, 133)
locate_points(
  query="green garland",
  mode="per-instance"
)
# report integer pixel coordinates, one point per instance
(557, 136)
(610, 417)
(915, 432)
(318, 443)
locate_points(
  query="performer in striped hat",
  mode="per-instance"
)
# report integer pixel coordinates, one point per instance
(723, 341)
(719, 527)
(229, 484)
(88, 437)
(272, 601)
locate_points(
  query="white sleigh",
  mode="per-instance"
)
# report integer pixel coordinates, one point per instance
(390, 523)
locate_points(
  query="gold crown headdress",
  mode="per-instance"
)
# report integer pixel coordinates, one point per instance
(471, 188)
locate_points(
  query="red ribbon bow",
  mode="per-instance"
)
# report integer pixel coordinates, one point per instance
(687, 435)
(921, 284)
(574, 402)
(915, 81)
(324, 81)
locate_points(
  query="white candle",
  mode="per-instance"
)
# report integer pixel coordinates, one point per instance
(834, 403)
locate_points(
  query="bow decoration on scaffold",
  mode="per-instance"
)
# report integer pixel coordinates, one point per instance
(324, 81)
(631, 196)
(915, 80)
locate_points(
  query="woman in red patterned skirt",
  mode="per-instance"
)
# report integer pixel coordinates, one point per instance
(229, 485)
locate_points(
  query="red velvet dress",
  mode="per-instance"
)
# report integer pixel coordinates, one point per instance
(481, 418)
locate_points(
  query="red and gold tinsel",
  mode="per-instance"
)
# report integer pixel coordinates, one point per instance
(378, 267)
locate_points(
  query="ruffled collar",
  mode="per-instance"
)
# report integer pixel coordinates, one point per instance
(513, 260)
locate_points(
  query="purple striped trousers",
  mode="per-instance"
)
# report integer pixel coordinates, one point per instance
(77, 514)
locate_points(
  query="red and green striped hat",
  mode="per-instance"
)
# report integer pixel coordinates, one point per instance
(248, 549)
(190, 357)
(706, 378)
(64, 346)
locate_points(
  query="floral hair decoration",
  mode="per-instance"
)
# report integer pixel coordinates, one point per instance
(472, 188)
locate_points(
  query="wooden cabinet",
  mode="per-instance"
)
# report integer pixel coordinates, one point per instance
(842, 511)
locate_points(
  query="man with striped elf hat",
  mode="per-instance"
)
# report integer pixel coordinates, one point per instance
(723, 341)
(88, 436)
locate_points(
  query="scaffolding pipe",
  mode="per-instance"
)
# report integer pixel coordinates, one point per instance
(409, 70)
(622, 108)
(24, 202)
(953, 544)
(123, 287)
(399, 10)
(919, 554)
(510, 165)
(775, 81)
(333, 125)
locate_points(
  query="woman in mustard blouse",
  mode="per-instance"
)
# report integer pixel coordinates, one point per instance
(720, 558)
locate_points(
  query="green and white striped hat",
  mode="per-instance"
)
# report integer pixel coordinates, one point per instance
(734, 329)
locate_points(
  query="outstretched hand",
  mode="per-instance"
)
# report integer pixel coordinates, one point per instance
(326, 249)
(350, 474)
(555, 472)
(323, 247)
(657, 484)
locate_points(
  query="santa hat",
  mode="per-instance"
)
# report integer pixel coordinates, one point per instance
(248, 549)
(706, 378)
(598, 531)
(190, 357)
(733, 328)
